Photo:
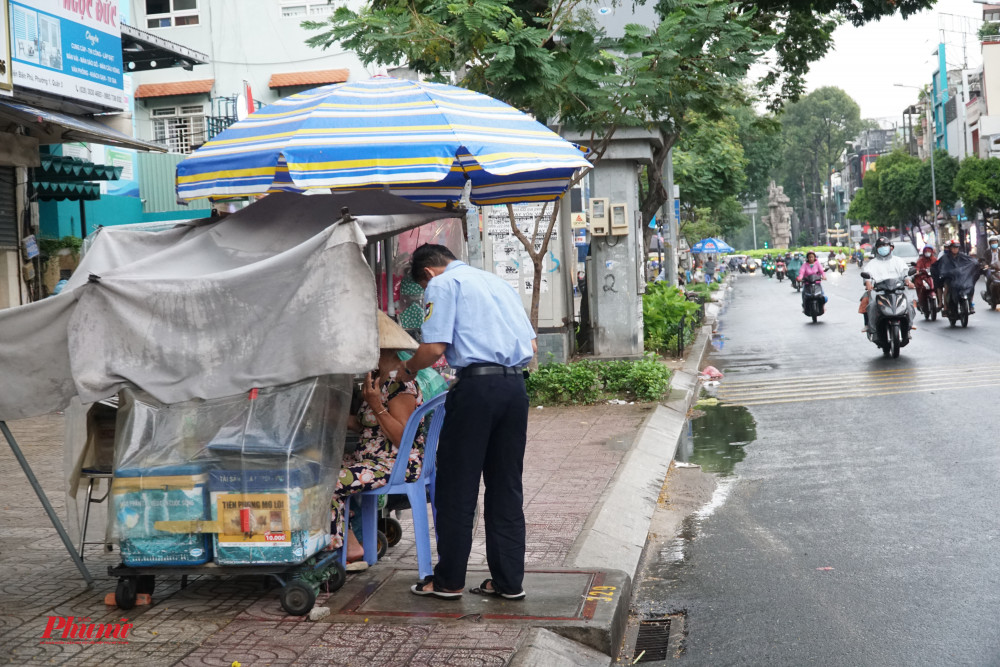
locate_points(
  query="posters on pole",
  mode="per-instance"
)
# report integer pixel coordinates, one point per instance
(510, 261)
(6, 73)
(70, 48)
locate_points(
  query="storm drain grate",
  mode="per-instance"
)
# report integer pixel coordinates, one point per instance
(653, 641)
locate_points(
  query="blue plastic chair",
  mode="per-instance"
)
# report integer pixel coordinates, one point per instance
(416, 491)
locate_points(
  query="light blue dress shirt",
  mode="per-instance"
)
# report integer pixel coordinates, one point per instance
(479, 316)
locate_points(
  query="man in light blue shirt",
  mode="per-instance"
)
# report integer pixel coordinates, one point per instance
(478, 322)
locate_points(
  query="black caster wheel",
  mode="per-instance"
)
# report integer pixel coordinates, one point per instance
(336, 578)
(125, 593)
(392, 529)
(146, 584)
(297, 598)
(383, 544)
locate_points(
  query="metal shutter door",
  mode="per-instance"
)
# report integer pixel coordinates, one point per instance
(8, 209)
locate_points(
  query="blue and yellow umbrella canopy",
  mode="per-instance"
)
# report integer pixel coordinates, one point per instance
(420, 140)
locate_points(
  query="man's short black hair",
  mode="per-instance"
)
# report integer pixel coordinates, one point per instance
(427, 255)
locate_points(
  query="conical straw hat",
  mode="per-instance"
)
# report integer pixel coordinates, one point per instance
(391, 336)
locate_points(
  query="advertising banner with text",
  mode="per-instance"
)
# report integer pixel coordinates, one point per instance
(6, 80)
(70, 48)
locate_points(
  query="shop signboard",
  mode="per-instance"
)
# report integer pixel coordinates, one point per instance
(69, 48)
(6, 77)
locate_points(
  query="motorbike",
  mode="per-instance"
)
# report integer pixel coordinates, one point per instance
(927, 298)
(743, 266)
(957, 306)
(751, 265)
(991, 294)
(779, 271)
(831, 264)
(890, 316)
(842, 265)
(813, 300)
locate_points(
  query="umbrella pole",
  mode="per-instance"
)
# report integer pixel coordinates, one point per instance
(63, 535)
(390, 304)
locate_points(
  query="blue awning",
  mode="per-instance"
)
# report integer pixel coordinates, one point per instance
(53, 127)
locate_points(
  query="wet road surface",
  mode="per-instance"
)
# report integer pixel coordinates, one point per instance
(857, 519)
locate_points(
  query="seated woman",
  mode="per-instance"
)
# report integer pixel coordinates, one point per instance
(380, 421)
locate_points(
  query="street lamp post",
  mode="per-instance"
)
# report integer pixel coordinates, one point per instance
(930, 120)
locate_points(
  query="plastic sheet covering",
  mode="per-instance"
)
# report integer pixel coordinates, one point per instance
(245, 479)
(267, 296)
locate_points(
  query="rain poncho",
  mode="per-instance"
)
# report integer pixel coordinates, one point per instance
(958, 271)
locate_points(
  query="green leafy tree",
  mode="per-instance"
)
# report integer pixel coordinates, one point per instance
(760, 137)
(977, 183)
(709, 162)
(814, 132)
(551, 58)
(945, 171)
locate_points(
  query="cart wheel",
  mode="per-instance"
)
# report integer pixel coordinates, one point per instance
(146, 584)
(383, 544)
(297, 598)
(336, 578)
(392, 529)
(125, 594)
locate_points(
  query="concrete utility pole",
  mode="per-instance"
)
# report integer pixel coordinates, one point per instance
(673, 237)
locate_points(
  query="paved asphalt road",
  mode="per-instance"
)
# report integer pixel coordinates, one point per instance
(862, 526)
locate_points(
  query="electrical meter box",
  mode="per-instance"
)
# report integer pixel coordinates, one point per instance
(599, 217)
(619, 219)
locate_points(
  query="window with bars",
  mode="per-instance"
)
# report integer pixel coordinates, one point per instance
(179, 129)
(168, 13)
(297, 9)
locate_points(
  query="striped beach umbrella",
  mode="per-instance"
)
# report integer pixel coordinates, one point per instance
(420, 140)
(711, 246)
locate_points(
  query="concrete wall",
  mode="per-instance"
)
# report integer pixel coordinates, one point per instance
(245, 40)
(612, 277)
(991, 77)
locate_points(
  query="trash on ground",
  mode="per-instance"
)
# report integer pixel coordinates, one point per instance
(711, 373)
(317, 613)
(708, 401)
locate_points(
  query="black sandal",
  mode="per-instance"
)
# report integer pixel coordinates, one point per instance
(482, 589)
(418, 589)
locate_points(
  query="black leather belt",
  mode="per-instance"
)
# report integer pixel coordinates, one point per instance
(489, 369)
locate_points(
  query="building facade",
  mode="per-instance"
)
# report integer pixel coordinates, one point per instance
(257, 54)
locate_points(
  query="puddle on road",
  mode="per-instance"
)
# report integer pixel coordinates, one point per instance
(715, 438)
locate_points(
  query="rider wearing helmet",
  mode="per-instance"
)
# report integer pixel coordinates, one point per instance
(883, 266)
(927, 258)
(992, 257)
(954, 270)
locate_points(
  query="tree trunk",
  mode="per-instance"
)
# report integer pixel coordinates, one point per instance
(657, 194)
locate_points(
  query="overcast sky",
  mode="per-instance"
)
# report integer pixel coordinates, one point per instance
(867, 61)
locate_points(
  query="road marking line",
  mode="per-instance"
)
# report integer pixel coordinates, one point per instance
(768, 390)
(806, 399)
(894, 372)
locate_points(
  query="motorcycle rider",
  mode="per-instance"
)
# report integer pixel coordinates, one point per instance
(951, 264)
(991, 265)
(793, 264)
(992, 257)
(812, 267)
(883, 266)
(926, 259)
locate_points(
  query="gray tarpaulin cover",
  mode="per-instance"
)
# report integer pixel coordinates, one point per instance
(269, 295)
